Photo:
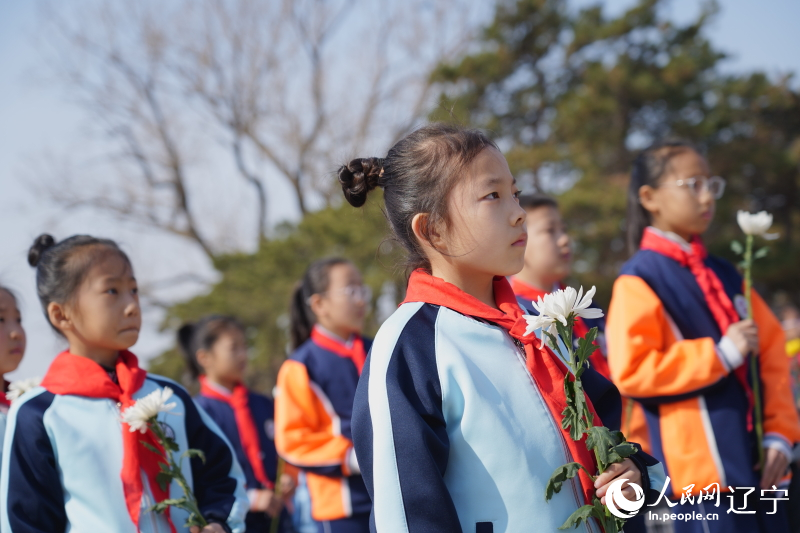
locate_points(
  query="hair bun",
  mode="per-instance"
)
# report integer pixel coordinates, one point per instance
(42, 243)
(360, 176)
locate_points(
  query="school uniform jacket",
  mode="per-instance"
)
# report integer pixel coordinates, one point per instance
(262, 411)
(452, 432)
(667, 352)
(313, 408)
(63, 456)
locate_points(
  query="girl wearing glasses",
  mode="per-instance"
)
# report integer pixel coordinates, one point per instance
(678, 343)
(316, 386)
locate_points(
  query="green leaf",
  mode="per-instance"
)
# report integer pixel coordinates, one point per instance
(762, 252)
(151, 448)
(737, 247)
(586, 346)
(163, 479)
(162, 506)
(609, 446)
(572, 415)
(560, 475)
(581, 514)
(601, 440)
(192, 452)
(171, 445)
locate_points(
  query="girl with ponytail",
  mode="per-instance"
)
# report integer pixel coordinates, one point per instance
(679, 342)
(215, 350)
(316, 386)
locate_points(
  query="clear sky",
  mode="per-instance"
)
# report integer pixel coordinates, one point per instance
(37, 119)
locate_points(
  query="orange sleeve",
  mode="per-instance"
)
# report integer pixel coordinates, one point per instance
(646, 354)
(780, 415)
(307, 430)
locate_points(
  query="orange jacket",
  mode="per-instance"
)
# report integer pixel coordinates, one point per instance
(313, 406)
(664, 351)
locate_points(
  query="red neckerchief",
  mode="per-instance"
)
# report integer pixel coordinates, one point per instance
(716, 298)
(546, 368)
(529, 292)
(355, 351)
(248, 435)
(3, 400)
(80, 376)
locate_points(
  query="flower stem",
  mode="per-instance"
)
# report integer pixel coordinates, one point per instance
(190, 504)
(273, 526)
(754, 377)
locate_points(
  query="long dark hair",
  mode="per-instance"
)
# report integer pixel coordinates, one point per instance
(202, 335)
(417, 176)
(648, 169)
(62, 266)
(315, 281)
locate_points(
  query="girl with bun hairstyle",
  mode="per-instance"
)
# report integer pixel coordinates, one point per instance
(69, 463)
(215, 349)
(12, 348)
(316, 385)
(456, 420)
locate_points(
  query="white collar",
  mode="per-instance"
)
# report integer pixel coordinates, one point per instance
(218, 388)
(334, 336)
(674, 237)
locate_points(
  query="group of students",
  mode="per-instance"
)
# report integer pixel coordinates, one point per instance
(450, 419)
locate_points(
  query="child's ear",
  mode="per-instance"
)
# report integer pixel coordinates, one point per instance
(427, 234)
(647, 198)
(203, 358)
(58, 316)
(315, 303)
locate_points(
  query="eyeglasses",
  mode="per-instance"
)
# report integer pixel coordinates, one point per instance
(357, 293)
(714, 185)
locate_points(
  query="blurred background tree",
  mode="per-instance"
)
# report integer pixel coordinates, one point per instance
(571, 96)
(286, 93)
(257, 287)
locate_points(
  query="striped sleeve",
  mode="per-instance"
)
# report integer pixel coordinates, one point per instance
(780, 416)
(308, 431)
(648, 357)
(30, 484)
(217, 481)
(399, 428)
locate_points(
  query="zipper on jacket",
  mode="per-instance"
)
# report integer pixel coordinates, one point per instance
(524, 356)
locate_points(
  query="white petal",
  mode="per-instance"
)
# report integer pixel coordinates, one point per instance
(587, 300)
(535, 322)
(591, 312)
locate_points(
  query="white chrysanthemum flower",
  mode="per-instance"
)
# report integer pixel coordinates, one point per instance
(756, 224)
(558, 306)
(18, 388)
(145, 409)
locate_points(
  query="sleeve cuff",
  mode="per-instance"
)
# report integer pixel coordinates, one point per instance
(729, 354)
(778, 442)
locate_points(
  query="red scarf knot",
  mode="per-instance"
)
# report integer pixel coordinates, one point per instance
(80, 376)
(238, 400)
(546, 369)
(353, 350)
